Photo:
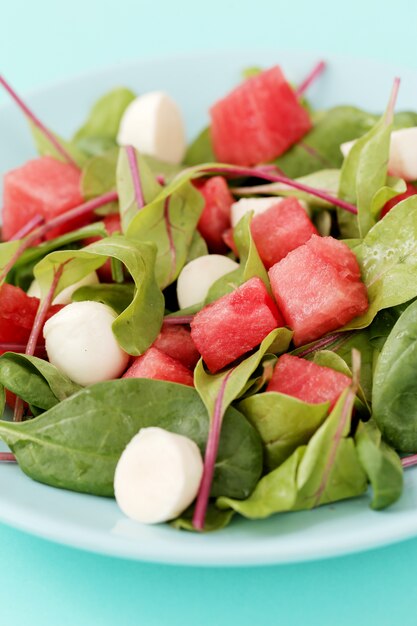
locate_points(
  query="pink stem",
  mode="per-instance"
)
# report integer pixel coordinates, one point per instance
(160, 179)
(20, 348)
(38, 323)
(315, 73)
(8, 457)
(278, 178)
(184, 319)
(210, 458)
(392, 101)
(28, 227)
(323, 343)
(134, 172)
(40, 231)
(409, 461)
(50, 136)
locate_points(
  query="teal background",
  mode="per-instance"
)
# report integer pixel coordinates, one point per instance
(43, 583)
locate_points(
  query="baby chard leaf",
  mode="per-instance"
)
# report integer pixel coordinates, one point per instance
(218, 391)
(381, 463)
(388, 261)
(284, 423)
(365, 169)
(169, 221)
(139, 324)
(327, 469)
(77, 444)
(136, 185)
(394, 398)
(102, 125)
(34, 380)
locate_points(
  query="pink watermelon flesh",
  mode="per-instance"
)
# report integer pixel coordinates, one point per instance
(228, 328)
(17, 314)
(158, 365)
(43, 187)
(307, 381)
(257, 121)
(318, 288)
(282, 228)
(215, 218)
(176, 341)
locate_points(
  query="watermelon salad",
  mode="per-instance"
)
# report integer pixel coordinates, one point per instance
(220, 328)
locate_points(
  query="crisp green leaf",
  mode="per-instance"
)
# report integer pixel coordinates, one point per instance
(230, 383)
(169, 221)
(34, 380)
(45, 148)
(118, 297)
(198, 247)
(365, 170)
(129, 207)
(200, 150)
(77, 444)
(381, 463)
(388, 261)
(101, 127)
(215, 519)
(326, 470)
(250, 263)
(394, 398)
(99, 174)
(284, 423)
(139, 324)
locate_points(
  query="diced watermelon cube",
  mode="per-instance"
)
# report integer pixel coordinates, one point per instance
(280, 229)
(112, 224)
(158, 365)
(215, 218)
(17, 314)
(410, 191)
(176, 341)
(318, 288)
(307, 381)
(257, 121)
(231, 326)
(44, 187)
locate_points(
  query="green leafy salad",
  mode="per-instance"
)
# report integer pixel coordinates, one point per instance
(216, 329)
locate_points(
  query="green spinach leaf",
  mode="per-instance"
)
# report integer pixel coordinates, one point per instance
(394, 397)
(118, 297)
(77, 444)
(200, 150)
(139, 324)
(284, 423)
(381, 463)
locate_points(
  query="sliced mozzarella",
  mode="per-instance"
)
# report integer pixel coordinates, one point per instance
(153, 124)
(403, 154)
(257, 205)
(157, 476)
(199, 275)
(66, 294)
(80, 342)
(402, 160)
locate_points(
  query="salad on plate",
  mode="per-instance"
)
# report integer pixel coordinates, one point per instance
(226, 327)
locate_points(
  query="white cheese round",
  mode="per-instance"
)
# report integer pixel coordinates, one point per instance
(80, 342)
(199, 275)
(157, 476)
(153, 124)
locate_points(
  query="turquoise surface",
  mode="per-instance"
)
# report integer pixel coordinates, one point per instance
(43, 583)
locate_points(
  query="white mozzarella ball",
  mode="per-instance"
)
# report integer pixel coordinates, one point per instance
(64, 297)
(403, 154)
(157, 476)
(153, 124)
(257, 205)
(80, 342)
(402, 160)
(199, 275)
